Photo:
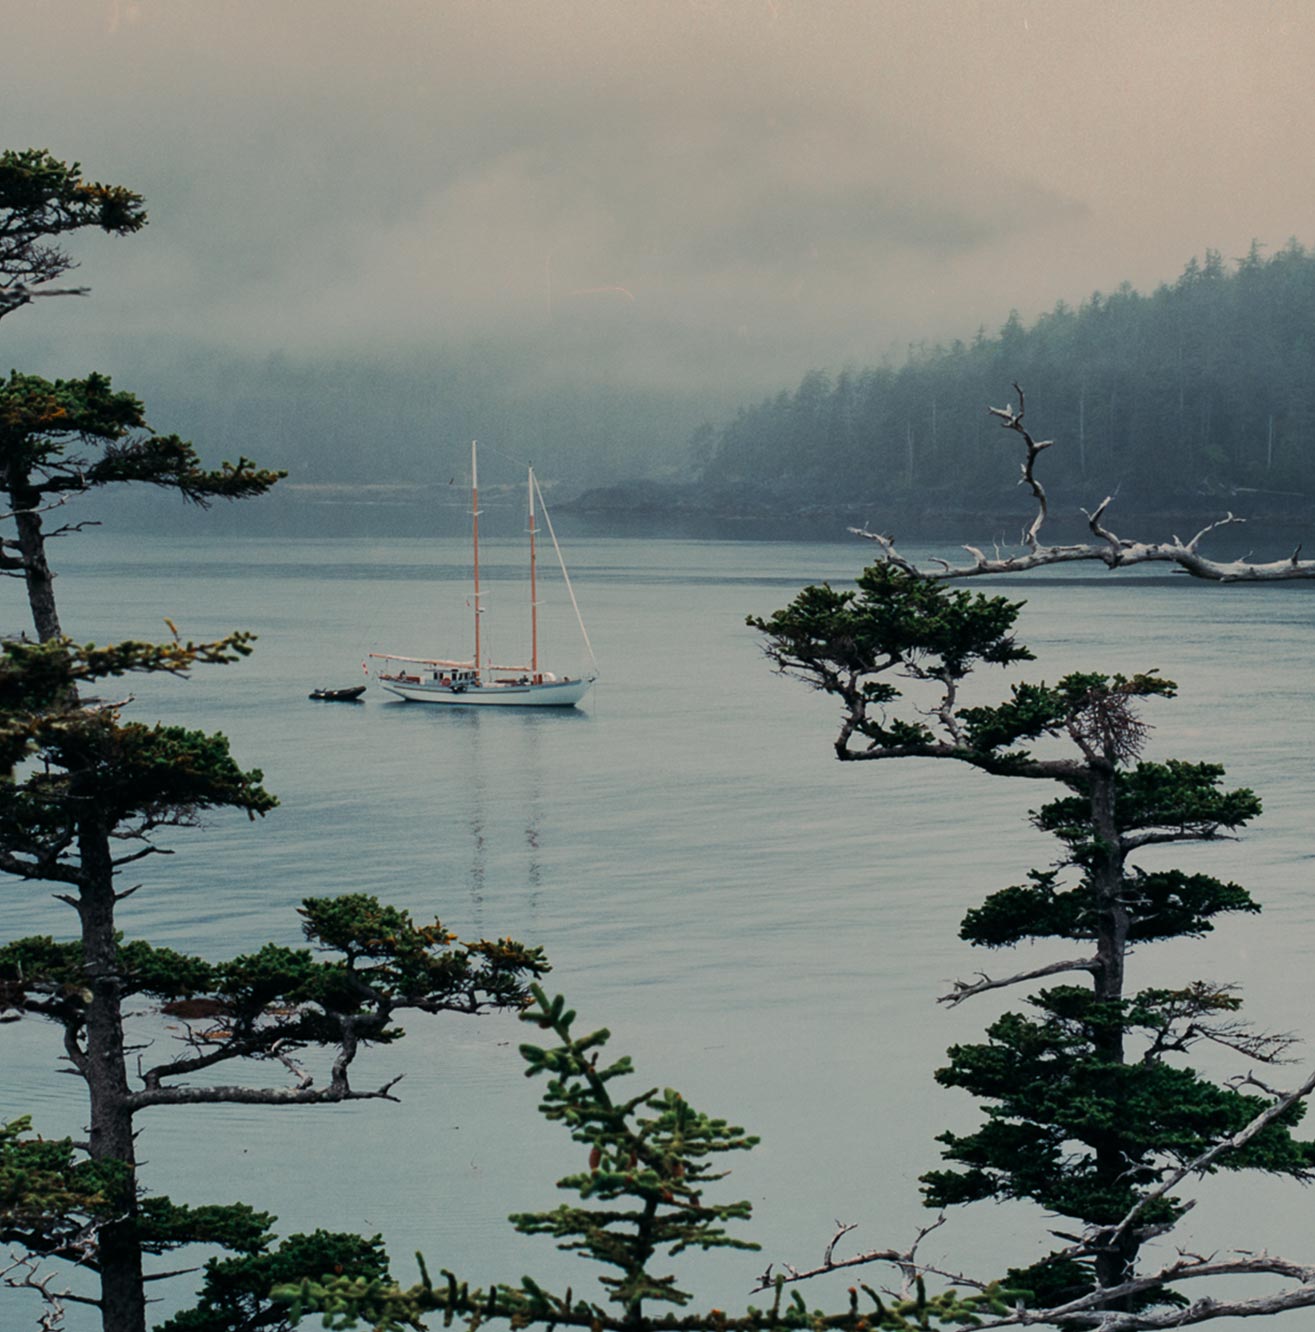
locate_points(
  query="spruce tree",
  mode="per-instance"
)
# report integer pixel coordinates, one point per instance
(1089, 1105)
(647, 1168)
(86, 792)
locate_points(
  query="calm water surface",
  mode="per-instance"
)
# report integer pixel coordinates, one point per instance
(758, 925)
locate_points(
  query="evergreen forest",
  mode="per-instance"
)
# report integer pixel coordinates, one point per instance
(1198, 396)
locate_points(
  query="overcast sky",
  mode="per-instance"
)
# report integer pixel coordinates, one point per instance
(706, 196)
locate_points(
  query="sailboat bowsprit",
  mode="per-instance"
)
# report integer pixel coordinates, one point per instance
(476, 683)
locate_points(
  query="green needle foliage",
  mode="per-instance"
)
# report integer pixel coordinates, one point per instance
(650, 1159)
(278, 1001)
(41, 200)
(367, 964)
(39, 681)
(649, 1152)
(65, 437)
(851, 643)
(1090, 1109)
(1167, 904)
(53, 1199)
(50, 1194)
(235, 1294)
(85, 793)
(48, 426)
(1057, 1106)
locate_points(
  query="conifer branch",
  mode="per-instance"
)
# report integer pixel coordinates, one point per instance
(1202, 1163)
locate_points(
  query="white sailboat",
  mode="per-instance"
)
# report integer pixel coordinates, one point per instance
(477, 683)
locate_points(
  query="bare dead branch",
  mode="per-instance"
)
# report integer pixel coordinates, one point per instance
(1013, 420)
(43, 868)
(1119, 554)
(38, 508)
(240, 1095)
(23, 1273)
(20, 294)
(1225, 521)
(145, 851)
(889, 553)
(1086, 1311)
(967, 989)
(1110, 549)
(1093, 522)
(69, 528)
(1189, 1017)
(842, 1229)
(304, 1079)
(905, 1260)
(1091, 1311)
(1188, 833)
(1207, 1158)
(1058, 770)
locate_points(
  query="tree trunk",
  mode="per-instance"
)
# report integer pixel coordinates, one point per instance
(1113, 1266)
(36, 572)
(1107, 887)
(123, 1303)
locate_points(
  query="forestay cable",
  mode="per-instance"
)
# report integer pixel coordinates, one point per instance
(566, 578)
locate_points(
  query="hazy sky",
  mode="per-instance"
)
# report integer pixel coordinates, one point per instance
(706, 195)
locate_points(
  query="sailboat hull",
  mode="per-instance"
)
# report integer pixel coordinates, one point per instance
(550, 694)
(478, 683)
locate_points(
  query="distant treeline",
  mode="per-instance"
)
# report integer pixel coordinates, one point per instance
(1204, 389)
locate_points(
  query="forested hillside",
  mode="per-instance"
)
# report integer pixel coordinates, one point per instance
(1203, 389)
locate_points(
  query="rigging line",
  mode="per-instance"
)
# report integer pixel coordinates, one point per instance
(502, 453)
(369, 635)
(566, 578)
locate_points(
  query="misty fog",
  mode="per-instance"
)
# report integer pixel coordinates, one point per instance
(578, 231)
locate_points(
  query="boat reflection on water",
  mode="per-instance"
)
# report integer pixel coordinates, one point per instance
(500, 803)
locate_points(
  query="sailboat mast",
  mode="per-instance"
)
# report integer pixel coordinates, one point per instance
(534, 595)
(474, 532)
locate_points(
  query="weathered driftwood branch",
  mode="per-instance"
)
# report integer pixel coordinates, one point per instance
(1117, 553)
(1013, 420)
(337, 1090)
(1212, 1154)
(1086, 1313)
(904, 1259)
(1110, 549)
(1091, 1311)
